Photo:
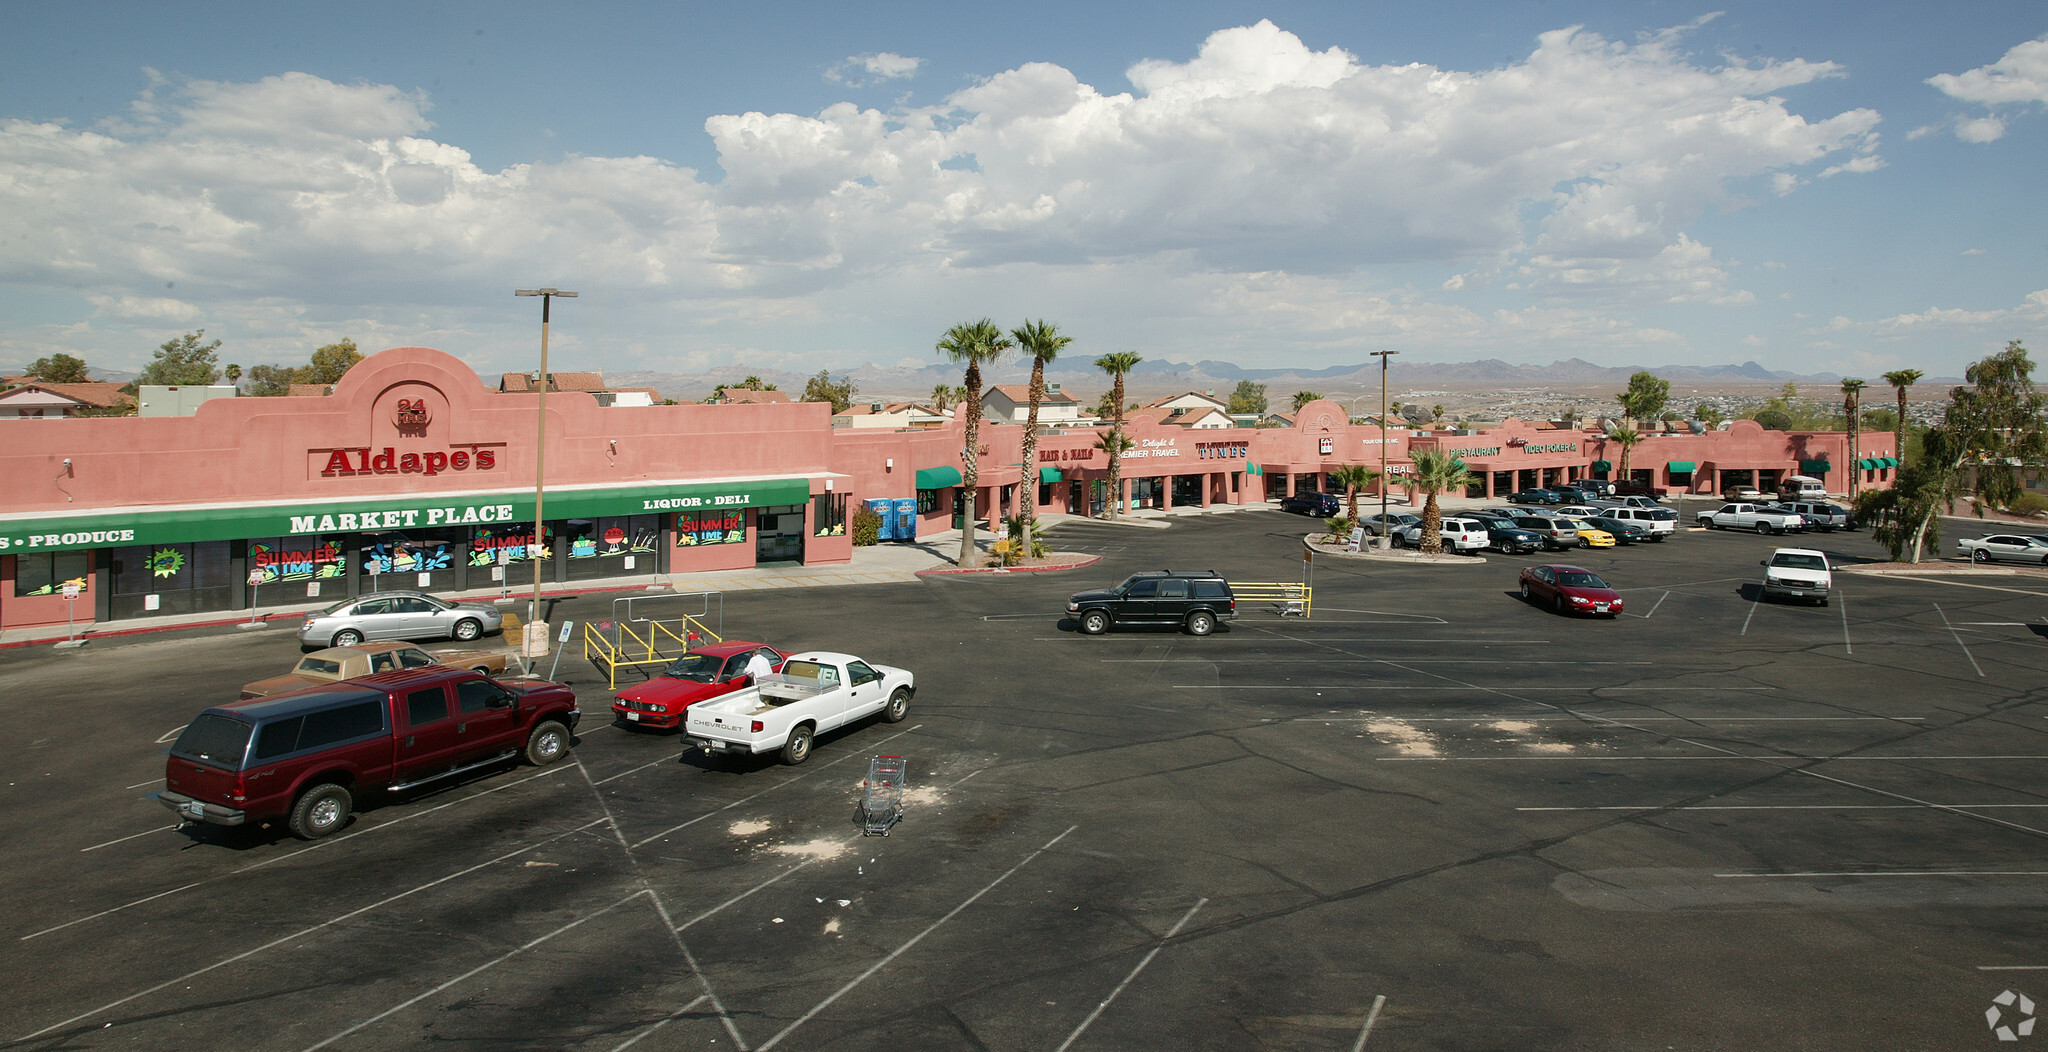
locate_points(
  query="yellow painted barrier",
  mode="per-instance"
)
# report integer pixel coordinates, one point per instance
(626, 648)
(1295, 599)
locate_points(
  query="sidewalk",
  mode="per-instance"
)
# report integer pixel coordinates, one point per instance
(891, 562)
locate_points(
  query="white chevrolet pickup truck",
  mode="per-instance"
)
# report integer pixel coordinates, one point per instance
(1744, 516)
(816, 691)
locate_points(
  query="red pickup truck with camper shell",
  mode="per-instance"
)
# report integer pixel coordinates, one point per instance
(307, 755)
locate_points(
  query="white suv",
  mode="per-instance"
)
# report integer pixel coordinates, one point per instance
(1798, 573)
(1655, 520)
(1459, 535)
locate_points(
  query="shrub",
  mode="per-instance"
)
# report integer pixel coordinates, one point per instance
(1015, 523)
(867, 527)
(2028, 505)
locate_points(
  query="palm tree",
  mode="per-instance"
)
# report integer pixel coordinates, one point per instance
(1113, 444)
(1117, 365)
(942, 396)
(1900, 379)
(1436, 412)
(1043, 343)
(1302, 398)
(1627, 438)
(1852, 398)
(970, 345)
(1436, 472)
(1354, 477)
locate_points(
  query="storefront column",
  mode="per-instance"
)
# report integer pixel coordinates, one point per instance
(1208, 488)
(1166, 492)
(1123, 498)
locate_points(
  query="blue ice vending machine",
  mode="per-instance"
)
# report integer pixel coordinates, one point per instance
(906, 518)
(886, 509)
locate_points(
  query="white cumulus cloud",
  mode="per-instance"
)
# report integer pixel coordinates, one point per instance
(1260, 170)
(2020, 78)
(862, 70)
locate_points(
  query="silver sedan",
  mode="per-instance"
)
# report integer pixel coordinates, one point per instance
(2005, 547)
(398, 615)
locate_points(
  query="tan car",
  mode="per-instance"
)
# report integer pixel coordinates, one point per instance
(364, 659)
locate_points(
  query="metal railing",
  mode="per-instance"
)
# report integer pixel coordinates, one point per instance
(1294, 598)
(629, 641)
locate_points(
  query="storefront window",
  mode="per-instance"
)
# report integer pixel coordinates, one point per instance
(612, 545)
(297, 559)
(927, 501)
(828, 514)
(171, 579)
(402, 553)
(488, 541)
(44, 573)
(711, 527)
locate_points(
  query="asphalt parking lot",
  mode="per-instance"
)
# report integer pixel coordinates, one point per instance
(1431, 817)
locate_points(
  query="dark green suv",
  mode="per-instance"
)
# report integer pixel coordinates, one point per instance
(1195, 600)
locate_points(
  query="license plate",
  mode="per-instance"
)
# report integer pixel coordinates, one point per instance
(195, 809)
(634, 716)
(1599, 608)
(714, 746)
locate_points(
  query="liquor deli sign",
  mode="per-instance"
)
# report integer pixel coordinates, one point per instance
(378, 514)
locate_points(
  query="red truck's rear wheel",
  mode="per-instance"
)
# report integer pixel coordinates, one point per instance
(321, 810)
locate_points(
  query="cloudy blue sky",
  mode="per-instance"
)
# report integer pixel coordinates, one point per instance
(1814, 186)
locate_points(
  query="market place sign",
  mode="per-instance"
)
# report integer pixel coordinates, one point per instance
(380, 514)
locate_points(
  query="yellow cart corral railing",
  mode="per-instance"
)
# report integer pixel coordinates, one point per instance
(1293, 598)
(627, 641)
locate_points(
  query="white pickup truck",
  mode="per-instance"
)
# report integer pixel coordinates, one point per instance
(1743, 516)
(816, 691)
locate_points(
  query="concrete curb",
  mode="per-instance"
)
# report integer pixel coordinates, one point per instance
(955, 571)
(1406, 556)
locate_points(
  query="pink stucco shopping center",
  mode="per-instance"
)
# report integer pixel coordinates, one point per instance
(412, 473)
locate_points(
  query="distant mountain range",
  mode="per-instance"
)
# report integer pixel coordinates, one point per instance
(1156, 378)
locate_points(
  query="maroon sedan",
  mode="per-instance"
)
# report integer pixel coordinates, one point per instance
(701, 674)
(1570, 588)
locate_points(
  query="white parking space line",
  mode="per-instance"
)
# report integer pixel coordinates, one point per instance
(745, 799)
(1295, 661)
(1887, 873)
(2012, 967)
(1775, 757)
(479, 969)
(1580, 688)
(1537, 718)
(1936, 579)
(133, 836)
(1842, 605)
(1958, 637)
(301, 933)
(673, 1016)
(1753, 604)
(1780, 807)
(139, 785)
(1163, 940)
(296, 852)
(1653, 606)
(905, 948)
(1370, 1018)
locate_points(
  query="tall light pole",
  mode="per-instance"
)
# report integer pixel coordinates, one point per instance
(537, 630)
(1385, 535)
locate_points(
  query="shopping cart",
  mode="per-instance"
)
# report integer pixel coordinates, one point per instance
(881, 799)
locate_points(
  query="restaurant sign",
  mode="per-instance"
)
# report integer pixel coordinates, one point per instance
(378, 514)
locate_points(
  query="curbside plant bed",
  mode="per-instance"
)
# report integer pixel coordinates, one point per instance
(1408, 556)
(1051, 561)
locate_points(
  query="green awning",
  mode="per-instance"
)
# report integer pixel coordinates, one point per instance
(1603, 465)
(1254, 469)
(56, 531)
(1866, 463)
(1891, 462)
(1813, 467)
(1048, 476)
(937, 478)
(1679, 467)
